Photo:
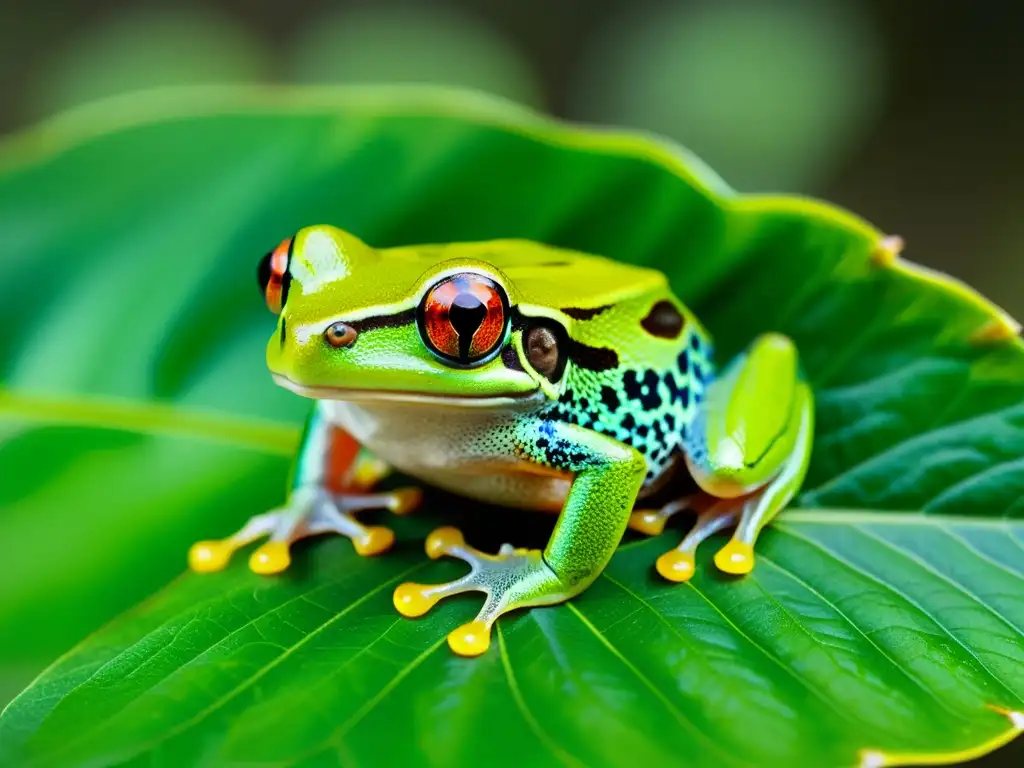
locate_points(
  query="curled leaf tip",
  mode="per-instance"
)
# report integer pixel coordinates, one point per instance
(1001, 328)
(888, 250)
(1016, 718)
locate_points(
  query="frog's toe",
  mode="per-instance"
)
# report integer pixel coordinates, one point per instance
(651, 522)
(404, 500)
(209, 556)
(513, 578)
(470, 639)
(736, 557)
(679, 564)
(676, 565)
(273, 557)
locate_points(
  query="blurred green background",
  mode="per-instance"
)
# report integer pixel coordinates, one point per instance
(910, 113)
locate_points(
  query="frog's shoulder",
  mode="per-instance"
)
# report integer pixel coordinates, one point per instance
(555, 277)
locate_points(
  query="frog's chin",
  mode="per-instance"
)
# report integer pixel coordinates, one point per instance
(510, 400)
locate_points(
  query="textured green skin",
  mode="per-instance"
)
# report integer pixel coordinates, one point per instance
(618, 420)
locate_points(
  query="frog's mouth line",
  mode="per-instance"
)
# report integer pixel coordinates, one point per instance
(515, 399)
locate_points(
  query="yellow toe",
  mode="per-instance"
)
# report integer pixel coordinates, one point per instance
(470, 639)
(736, 557)
(648, 522)
(209, 556)
(377, 539)
(442, 540)
(405, 500)
(410, 599)
(676, 566)
(271, 558)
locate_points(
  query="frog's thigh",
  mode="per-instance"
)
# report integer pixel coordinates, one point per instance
(753, 440)
(747, 427)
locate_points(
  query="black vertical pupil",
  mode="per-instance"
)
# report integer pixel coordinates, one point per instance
(466, 314)
(263, 272)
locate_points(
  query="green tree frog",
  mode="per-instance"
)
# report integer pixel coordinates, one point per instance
(525, 375)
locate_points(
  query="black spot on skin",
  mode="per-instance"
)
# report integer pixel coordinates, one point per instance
(565, 397)
(510, 358)
(609, 398)
(542, 442)
(642, 430)
(677, 393)
(592, 358)
(628, 422)
(670, 422)
(683, 361)
(663, 321)
(651, 399)
(284, 329)
(632, 385)
(694, 342)
(577, 458)
(577, 313)
(698, 372)
(584, 404)
(645, 390)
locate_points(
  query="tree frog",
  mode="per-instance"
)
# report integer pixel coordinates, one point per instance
(525, 375)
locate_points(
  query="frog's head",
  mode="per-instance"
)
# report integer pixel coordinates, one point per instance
(406, 324)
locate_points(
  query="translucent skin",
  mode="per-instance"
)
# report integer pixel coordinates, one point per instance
(456, 387)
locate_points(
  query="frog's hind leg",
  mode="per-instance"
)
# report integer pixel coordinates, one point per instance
(737, 556)
(748, 450)
(329, 484)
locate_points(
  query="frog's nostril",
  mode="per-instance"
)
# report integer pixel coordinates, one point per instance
(340, 335)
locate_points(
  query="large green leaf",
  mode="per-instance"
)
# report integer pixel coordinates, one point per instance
(886, 617)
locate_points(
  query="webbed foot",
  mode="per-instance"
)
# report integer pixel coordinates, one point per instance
(514, 578)
(310, 511)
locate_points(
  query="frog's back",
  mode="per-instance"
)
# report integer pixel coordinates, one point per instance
(546, 276)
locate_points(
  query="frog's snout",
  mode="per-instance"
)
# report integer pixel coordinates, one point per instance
(340, 335)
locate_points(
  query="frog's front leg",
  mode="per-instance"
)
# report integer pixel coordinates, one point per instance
(330, 480)
(607, 477)
(748, 450)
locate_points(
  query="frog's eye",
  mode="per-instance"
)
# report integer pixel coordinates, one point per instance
(274, 276)
(463, 318)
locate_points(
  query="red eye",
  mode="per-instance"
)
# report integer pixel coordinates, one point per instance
(274, 277)
(463, 318)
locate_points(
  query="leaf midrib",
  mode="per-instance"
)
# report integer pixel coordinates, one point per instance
(149, 418)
